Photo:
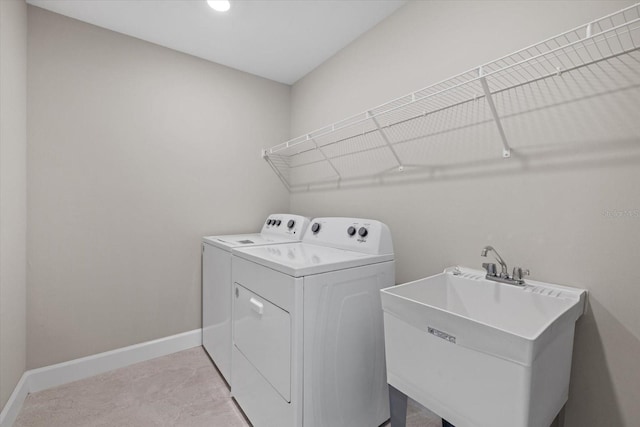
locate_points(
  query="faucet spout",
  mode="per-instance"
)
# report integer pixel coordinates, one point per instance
(503, 277)
(503, 265)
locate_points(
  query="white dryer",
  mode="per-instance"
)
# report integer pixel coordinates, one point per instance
(216, 280)
(308, 336)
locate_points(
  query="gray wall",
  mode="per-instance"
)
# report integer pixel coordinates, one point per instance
(548, 216)
(13, 193)
(135, 152)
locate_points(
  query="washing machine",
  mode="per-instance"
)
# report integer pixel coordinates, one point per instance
(308, 335)
(216, 280)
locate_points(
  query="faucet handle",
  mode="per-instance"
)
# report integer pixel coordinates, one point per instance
(491, 268)
(519, 273)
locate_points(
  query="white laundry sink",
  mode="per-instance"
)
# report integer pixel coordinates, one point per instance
(482, 353)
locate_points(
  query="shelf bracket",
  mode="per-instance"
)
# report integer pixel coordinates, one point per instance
(386, 140)
(325, 157)
(506, 150)
(265, 156)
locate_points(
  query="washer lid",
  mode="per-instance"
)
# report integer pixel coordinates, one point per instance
(231, 241)
(302, 259)
(278, 228)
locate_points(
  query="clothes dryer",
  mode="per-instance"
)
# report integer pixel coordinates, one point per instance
(216, 280)
(308, 338)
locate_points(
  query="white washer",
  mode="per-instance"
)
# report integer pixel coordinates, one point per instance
(216, 280)
(308, 337)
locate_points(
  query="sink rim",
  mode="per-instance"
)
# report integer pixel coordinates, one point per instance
(575, 296)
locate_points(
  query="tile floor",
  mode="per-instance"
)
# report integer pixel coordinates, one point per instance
(180, 390)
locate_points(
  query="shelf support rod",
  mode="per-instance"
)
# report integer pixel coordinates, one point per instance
(506, 150)
(386, 140)
(325, 157)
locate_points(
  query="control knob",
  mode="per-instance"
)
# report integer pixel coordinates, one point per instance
(363, 232)
(278, 222)
(291, 223)
(315, 228)
(351, 231)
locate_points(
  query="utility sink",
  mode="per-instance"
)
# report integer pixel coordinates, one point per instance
(482, 353)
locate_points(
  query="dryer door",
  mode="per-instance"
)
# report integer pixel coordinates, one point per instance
(262, 333)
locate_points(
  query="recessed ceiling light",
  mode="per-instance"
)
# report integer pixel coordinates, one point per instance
(219, 5)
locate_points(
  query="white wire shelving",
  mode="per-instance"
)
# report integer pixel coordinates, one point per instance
(482, 104)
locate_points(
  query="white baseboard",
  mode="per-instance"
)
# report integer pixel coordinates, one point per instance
(73, 370)
(51, 376)
(14, 404)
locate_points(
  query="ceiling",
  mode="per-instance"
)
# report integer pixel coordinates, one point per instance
(281, 40)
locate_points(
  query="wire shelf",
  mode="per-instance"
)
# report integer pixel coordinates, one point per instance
(473, 115)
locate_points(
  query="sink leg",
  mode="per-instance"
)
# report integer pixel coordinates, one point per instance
(559, 420)
(398, 407)
(446, 423)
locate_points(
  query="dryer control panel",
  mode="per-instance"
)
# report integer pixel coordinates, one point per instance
(289, 225)
(354, 234)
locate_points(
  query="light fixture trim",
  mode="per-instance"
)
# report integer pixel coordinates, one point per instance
(219, 5)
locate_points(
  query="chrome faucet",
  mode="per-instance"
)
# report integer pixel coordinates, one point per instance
(492, 273)
(486, 249)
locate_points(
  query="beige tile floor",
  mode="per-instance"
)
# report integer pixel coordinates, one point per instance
(418, 416)
(180, 390)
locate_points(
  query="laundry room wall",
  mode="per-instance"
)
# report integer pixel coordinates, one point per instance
(547, 215)
(13, 193)
(135, 152)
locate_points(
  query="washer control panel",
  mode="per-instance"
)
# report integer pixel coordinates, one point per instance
(355, 234)
(285, 224)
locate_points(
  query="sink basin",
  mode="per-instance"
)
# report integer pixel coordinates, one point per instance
(482, 353)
